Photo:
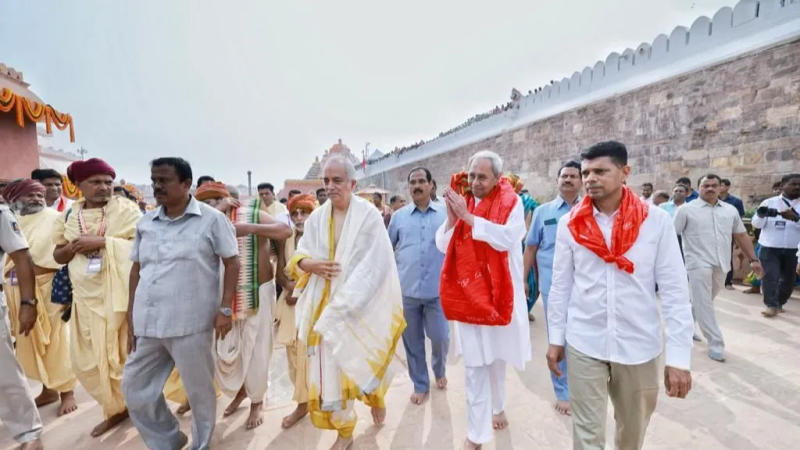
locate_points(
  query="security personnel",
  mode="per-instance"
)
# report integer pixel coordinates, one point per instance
(17, 409)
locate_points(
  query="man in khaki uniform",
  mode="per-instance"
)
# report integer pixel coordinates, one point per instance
(17, 410)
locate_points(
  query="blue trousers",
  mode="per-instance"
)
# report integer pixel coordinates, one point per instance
(560, 386)
(425, 316)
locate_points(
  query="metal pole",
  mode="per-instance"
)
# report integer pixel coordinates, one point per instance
(249, 184)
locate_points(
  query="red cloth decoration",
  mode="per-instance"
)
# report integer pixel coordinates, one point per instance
(625, 231)
(81, 170)
(19, 188)
(475, 285)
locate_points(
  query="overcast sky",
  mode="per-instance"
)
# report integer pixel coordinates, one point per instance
(267, 86)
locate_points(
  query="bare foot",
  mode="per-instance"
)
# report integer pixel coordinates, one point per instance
(234, 404)
(342, 443)
(68, 404)
(295, 416)
(35, 444)
(469, 445)
(46, 397)
(499, 421)
(183, 409)
(378, 415)
(563, 408)
(255, 419)
(441, 383)
(109, 423)
(418, 398)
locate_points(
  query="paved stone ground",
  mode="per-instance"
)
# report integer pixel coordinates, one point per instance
(751, 401)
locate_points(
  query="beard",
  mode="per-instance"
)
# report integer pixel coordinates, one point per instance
(25, 209)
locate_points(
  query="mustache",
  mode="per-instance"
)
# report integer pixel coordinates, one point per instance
(417, 190)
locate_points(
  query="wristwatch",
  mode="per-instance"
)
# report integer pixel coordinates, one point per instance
(29, 302)
(225, 311)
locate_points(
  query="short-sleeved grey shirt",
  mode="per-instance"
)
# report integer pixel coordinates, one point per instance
(179, 276)
(707, 231)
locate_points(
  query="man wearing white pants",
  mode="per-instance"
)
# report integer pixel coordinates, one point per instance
(481, 288)
(17, 409)
(707, 227)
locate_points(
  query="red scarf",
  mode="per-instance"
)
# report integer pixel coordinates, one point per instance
(475, 285)
(62, 203)
(624, 233)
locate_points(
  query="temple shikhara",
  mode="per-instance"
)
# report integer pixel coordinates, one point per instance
(313, 179)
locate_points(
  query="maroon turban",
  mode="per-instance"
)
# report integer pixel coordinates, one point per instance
(19, 188)
(81, 170)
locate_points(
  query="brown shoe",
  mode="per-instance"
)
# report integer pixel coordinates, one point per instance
(770, 312)
(753, 290)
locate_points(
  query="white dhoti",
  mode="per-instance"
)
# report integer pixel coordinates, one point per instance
(242, 357)
(486, 396)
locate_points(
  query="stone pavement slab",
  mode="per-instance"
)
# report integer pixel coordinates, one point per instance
(752, 401)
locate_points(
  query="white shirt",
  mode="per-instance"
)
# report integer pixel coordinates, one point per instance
(612, 315)
(481, 345)
(707, 231)
(777, 232)
(648, 200)
(67, 203)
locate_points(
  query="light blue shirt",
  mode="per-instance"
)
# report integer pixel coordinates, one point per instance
(543, 235)
(413, 236)
(179, 276)
(670, 207)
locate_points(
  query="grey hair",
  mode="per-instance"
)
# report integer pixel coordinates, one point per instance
(494, 158)
(339, 159)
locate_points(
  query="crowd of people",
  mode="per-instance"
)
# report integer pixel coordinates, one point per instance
(498, 109)
(186, 300)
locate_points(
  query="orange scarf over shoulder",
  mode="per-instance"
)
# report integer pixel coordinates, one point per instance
(625, 231)
(475, 286)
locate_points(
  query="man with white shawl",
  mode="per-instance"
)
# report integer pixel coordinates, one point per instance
(482, 289)
(350, 312)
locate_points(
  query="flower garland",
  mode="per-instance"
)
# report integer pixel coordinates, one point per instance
(459, 182)
(69, 189)
(35, 112)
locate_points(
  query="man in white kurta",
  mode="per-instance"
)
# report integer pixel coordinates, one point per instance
(487, 349)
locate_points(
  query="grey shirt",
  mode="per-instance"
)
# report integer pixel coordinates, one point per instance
(707, 232)
(179, 278)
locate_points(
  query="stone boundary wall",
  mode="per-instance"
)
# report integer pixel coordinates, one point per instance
(723, 95)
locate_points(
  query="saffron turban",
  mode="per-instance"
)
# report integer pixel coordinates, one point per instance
(81, 170)
(20, 188)
(302, 201)
(211, 190)
(515, 181)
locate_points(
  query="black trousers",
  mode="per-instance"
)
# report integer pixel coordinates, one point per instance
(779, 274)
